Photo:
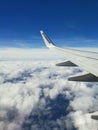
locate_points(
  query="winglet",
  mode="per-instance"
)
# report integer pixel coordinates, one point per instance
(47, 41)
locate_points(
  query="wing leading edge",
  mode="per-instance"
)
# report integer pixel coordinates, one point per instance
(84, 59)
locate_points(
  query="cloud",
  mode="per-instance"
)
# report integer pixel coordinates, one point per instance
(36, 95)
(26, 54)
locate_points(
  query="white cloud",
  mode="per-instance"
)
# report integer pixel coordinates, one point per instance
(83, 121)
(40, 90)
(26, 54)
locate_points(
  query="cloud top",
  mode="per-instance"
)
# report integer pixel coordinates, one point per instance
(37, 95)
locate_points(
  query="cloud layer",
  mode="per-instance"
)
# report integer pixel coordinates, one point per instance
(35, 95)
(26, 54)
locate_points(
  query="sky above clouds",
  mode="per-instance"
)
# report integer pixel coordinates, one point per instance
(67, 22)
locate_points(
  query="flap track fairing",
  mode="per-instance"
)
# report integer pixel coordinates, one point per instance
(67, 63)
(85, 78)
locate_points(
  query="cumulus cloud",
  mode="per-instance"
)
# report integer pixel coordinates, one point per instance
(36, 95)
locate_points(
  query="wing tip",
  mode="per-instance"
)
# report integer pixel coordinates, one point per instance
(47, 40)
(41, 31)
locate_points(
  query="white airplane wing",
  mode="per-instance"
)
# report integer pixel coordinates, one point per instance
(84, 59)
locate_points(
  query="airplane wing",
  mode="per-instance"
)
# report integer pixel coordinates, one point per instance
(84, 59)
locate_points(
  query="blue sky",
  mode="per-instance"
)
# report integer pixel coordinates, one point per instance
(67, 22)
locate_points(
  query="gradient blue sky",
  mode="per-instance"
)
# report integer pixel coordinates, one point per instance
(67, 22)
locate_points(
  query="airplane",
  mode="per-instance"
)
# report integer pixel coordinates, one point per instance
(84, 59)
